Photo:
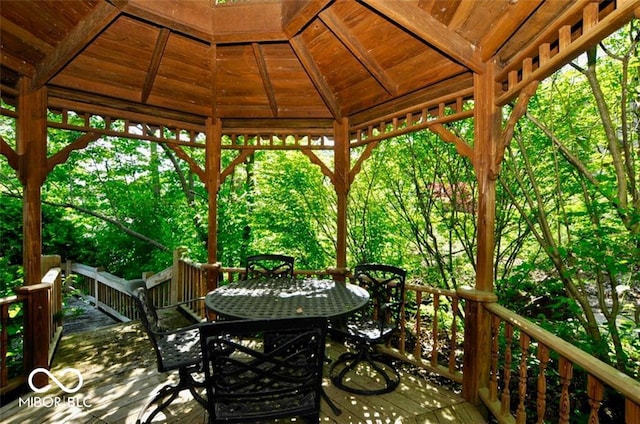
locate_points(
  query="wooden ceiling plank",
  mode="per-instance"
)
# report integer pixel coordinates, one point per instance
(508, 23)
(264, 75)
(213, 59)
(307, 61)
(93, 24)
(154, 64)
(338, 27)
(432, 31)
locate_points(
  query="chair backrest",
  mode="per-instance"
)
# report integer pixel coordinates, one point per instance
(263, 369)
(148, 316)
(269, 266)
(138, 291)
(385, 284)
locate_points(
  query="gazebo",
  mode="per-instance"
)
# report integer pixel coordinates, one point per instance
(306, 75)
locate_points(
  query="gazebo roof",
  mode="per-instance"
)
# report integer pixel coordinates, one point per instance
(288, 63)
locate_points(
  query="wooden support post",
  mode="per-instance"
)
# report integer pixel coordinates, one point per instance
(36, 330)
(31, 143)
(177, 277)
(477, 342)
(341, 184)
(212, 173)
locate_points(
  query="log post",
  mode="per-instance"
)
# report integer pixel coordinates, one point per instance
(31, 143)
(341, 184)
(212, 172)
(477, 342)
(36, 330)
(177, 277)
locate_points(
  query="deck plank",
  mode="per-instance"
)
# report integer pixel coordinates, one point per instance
(120, 373)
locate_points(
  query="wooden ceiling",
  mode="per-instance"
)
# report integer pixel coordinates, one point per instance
(285, 62)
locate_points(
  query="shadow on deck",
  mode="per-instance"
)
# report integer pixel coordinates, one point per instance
(119, 373)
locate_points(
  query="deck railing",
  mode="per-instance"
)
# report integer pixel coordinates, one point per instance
(35, 310)
(534, 378)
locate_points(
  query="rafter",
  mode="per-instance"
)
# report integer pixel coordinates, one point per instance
(338, 27)
(431, 30)
(103, 14)
(156, 58)
(297, 14)
(266, 80)
(305, 57)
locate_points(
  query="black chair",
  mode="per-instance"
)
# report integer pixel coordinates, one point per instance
(372, 325)
(248, 381)
(269, 266)
(176, 349)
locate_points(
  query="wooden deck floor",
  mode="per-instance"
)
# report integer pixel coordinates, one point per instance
(119, 373)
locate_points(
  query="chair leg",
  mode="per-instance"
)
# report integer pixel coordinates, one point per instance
(185, 382)
(364, 355)
(332, 405)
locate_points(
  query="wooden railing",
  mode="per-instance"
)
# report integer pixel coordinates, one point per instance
(35, 310)
(534, 378)
(431, 331)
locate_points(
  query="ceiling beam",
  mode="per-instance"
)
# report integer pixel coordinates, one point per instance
(86, 30)
(306, 59)
(192, 18)
(16, 64)
(430, 30)
(296, 14)
(156, 58)
(340, 30)
(264, 75)
(25, 36)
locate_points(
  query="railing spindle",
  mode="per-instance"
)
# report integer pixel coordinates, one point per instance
(493, 385)
(541, 403)
(566, 374)
(506, 391)
(521, 414)
(595, 392)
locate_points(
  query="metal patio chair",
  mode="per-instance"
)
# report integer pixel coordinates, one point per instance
(269, 266)
(372, 325)
(250, 381)
(176, 349)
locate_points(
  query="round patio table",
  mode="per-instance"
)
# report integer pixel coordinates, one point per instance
(286, 298)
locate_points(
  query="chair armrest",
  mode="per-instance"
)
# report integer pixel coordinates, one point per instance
(192, 327)
(175, 305)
